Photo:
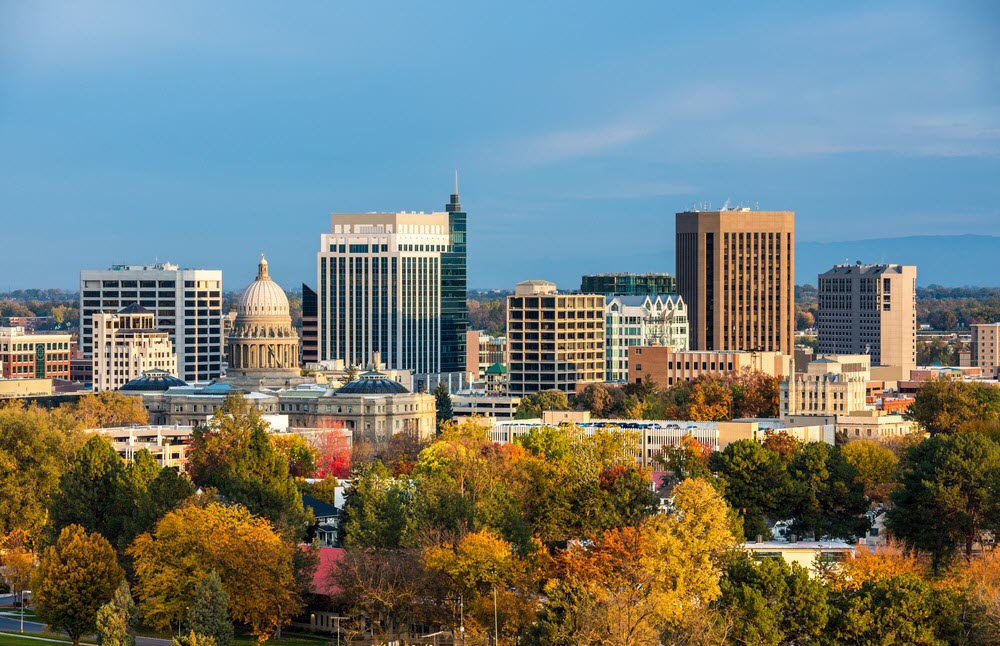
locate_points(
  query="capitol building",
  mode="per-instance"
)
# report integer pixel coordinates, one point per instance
(263, 348)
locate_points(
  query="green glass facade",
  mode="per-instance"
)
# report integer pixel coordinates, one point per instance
(454, 290)
(629, 284)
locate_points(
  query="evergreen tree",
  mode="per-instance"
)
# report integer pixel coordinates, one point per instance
(757, 484)
(209, 612)
(444, 408)
(827, 499)
(117, 618)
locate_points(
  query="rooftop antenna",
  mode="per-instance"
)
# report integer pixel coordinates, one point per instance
(456, 181)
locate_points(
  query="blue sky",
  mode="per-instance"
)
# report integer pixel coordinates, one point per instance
(204, 133)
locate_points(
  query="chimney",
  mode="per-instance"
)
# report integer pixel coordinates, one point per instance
(793, 539)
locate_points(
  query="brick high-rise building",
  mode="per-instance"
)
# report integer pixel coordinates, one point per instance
(985, 350)
(736, 273)
(870, 309)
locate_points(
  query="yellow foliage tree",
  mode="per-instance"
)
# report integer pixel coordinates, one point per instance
(109, 409)
(710, 401)
(877, 564)
(253, 561)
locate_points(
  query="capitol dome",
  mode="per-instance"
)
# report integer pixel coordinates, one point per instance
(262, 344)
(263, 297)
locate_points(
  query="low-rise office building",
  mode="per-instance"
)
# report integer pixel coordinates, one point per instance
(873, 425)
(830, 385)
(667, 366)
(21, 388)
(806, 554)
(483, 351)
(473, 403)
(32, 355)
(641, 321)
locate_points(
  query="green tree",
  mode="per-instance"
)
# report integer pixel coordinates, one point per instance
(876, 465)
(686, 459)
(756, 484)
(75, 577)
(949, 494)
(826, 497)
(92, 493)
(443, 400)
(944, 405)
(903, 609)
(595, 398)
(209, 611)
(163, 493)
(772, 602)
(375, 513)
(532, 406)
(234, 454)
(35, 450)
(193, 639)
(117, 618)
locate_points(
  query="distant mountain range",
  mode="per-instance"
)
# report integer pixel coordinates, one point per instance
(954, 261)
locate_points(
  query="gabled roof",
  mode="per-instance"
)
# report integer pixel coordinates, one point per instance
(320, 508)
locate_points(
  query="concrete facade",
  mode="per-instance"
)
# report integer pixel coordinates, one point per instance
(482, 351)
(126, 345)
(831, 385)
(187, 304)
(873, 425)
(736, 273)
(870, 309)
(666, 366)
(985, 349)
(555, 341)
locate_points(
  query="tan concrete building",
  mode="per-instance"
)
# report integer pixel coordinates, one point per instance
(373, 407)
(29, 387)
(985, 350)
(736, 273)
(128, 344)
(873, 425)
(870, 309)
(555, 341)
(831, 385)
(667, 366)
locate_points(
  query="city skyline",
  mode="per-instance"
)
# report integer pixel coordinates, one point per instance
(867, 121)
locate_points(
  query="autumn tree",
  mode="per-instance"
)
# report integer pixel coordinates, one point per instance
(711, 400)
(75, 577)
(18, 562)
(333, 454)
(756, 484)
(208, 613)
(686, 459)
(948, 495)
(944, 405)
(35, 450)
(532, 406)
(117, 618)
(110, 409)
(876, 466)
(595, 398)
(782, 442)
(300, 455)
(194, 540)
(234, 454)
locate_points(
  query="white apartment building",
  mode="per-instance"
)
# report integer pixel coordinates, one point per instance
(186, 303)
(640, 321)
(831, 385)
(380, 289)
(126, 345)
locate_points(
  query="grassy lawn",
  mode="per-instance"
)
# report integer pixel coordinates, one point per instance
(286, 640)
(16, 640)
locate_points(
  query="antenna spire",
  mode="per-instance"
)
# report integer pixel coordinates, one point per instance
(456, 181)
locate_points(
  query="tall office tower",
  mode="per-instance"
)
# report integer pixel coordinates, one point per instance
(127, 344)
(454, 288)
(555, 341)
(187, 304)
(870, 309)
(736, 273)
(985, 350)
(380, 289)
(310, 351)
(628, 284)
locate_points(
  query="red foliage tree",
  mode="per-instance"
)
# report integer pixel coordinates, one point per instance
(333, 452)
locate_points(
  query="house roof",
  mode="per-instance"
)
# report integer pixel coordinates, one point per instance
(322, 584)
(320, 508)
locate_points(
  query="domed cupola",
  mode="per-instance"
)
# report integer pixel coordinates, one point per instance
(263, 342)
